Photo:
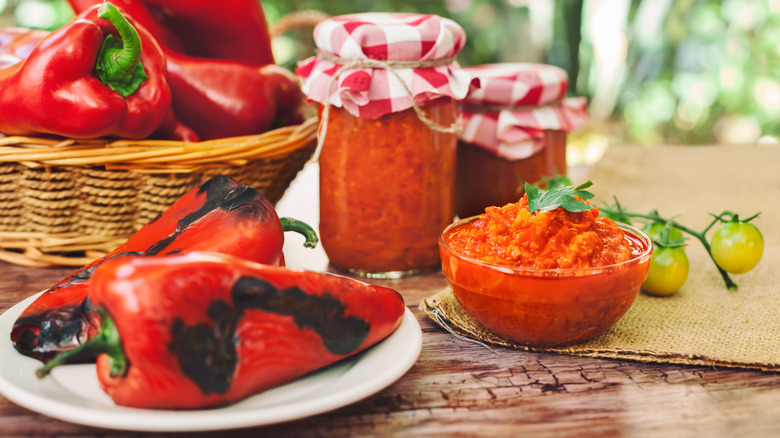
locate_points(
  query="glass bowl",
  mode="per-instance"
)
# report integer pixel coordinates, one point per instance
(545, 307)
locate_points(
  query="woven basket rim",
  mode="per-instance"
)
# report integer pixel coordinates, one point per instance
(155, 156)
(68, 201)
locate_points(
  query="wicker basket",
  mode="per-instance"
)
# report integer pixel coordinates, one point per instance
(67, 202)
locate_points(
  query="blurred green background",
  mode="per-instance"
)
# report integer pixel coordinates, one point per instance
(654, 71)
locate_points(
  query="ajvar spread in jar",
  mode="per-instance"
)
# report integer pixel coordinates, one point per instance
(557, 239)
(382, 207)
(388, 134)
(515, 129)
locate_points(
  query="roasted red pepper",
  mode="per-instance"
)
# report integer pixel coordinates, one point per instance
(203, 330)
(234, 30)
(97, 76)
(219, 98)
(219, 216)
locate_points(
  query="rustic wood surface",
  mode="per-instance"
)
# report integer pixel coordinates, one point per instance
(459, 388)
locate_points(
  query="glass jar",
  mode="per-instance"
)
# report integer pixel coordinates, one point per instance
(486, 179)
(515, 131)
(388, 88)
(382, 207)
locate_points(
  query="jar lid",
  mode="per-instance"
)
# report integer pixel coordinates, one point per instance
(379, 63)
(515, 103)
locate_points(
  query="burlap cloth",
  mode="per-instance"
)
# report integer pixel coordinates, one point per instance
(703, 324)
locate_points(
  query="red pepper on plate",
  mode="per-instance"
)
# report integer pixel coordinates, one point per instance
(219, 216)
(203, 330)
(97, 76)
(220, 98)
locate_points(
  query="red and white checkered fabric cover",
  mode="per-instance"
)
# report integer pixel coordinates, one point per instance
(537, 91)
(370, 93)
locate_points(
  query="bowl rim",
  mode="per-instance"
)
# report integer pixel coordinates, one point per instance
(556, 272)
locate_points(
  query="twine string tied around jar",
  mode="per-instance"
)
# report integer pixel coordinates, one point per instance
(391, 66)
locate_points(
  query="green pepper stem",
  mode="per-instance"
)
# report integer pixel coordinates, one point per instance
(118, 64)
(107, 341)
(290, 224)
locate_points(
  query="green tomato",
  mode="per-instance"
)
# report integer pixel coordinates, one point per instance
(668, 271)
(737, 246)
(654, 231)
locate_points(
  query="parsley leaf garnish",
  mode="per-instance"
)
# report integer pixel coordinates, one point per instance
(560, 196)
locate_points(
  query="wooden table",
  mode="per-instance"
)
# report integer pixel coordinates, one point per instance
(459, 388)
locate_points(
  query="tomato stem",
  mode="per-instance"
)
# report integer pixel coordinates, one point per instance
(701, 236)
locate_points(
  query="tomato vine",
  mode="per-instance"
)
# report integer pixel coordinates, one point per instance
(618, 213)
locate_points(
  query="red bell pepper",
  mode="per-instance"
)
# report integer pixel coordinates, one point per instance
(220, 98)
(234, 30)
(142, 15)
(16, 44)
(204, 330)
(219, 216)
(100, 75)
(225, 99)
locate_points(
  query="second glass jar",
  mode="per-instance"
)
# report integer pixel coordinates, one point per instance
(485, 179)
(515, 130)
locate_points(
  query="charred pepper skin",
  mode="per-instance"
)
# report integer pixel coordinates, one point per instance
(220, 216)
(56, 88)
(227, 328)
(219, 98)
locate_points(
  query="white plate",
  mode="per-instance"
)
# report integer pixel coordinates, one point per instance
(71, 393)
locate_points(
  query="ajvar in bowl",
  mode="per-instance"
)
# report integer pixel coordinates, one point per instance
(564, 279)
